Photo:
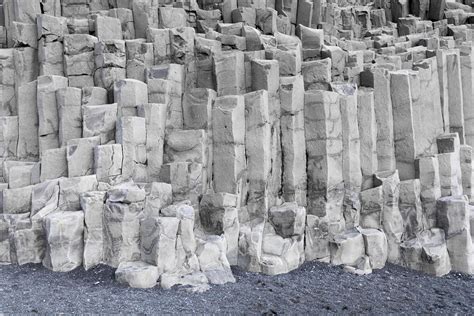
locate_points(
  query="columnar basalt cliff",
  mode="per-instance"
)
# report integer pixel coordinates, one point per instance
(175, 139)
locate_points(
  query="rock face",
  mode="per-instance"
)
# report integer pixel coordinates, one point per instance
(175, 139)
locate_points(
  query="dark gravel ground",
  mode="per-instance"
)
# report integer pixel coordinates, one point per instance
(314, 288)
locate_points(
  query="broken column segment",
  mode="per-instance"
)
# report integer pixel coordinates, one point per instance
(228, 125)
(292, 139)
(453, 218)
(48, 124)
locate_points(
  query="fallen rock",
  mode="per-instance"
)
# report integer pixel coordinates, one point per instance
(137, 274)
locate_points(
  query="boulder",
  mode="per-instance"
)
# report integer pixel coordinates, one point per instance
(137, 274)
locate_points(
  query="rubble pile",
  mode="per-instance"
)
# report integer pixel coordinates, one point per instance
(175, 139)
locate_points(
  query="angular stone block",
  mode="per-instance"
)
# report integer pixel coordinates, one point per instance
(54, 164)
(48, 119)
(108, 162)
(212, 260)
(27, 122)
(110, 63)
(410, 207)
(8, 136)
(375, 247)
(100, 121)
(128, 93)
(186, 180)
(70, 190)
(221, 217)
(228, 125)
(428, 173)
(288, 220)
(158, 242)
(131, 134)
(92, 204)
(392, 220)
(80, 156)
(121, 232)
(427, 253)
(16, 201)
(139, 58)
(64, 236)
(108, 28)
(368, 135)
(347, 248)
(293, 139)
(69, 101)
(137, 274)
(94, 96)
(371, 212)
(44, 199)
(230, 75)
(325, 179)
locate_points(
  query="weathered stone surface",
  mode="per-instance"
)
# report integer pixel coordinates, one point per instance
(325, 180)
(70, 190)
(70, 114)
(379, 79)
(428, 172)
(372, 203)
(110, 63)
(27, 121)
(427, 252)
(53, 164)
(347, 248)
(376, 246)
(410, 207)
(27, 242)
(186, 179)
(228, 124)
(48, 123)
(16, 201)
(108, 162)
(230, 75)
(99, 120)
(219, 215)
(257, 150)
(131, 134)
(367, 125)
(8, 136)
(64, 236)
(292, 139)
(392, 220)
(80, 156)
(453, 217)
(404, 134)
(92, 204)
(139, 58)
(44, 199)
(121, 232)
(158, 242)
(137, 274)
(351, 164)
(211, 254)
(467, 171)
(108, 28)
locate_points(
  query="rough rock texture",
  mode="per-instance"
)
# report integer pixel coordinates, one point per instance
(175, 139)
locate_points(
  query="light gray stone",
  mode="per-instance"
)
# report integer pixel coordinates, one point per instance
(137, 274)
(64, 236)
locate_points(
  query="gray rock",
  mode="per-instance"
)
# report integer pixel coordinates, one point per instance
(137, 274)
(64, 236)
